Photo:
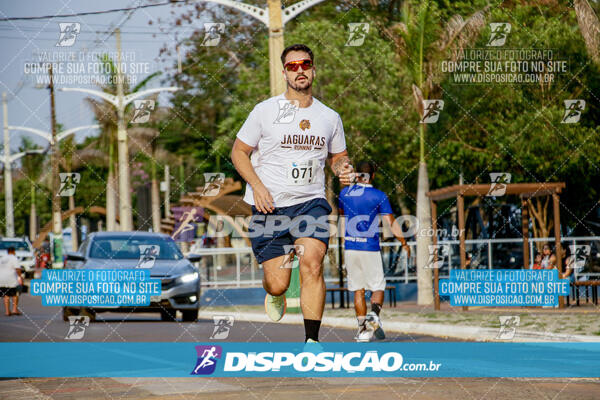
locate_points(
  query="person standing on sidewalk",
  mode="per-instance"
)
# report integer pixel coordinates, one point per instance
(10, 279)
(363, 204)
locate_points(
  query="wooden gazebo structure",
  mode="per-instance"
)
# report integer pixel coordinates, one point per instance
(223, 203)
(524, 190)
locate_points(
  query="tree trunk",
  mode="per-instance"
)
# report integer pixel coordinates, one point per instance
(111, 188)
(155, 199)
(589, 26)
(111, 201)
(32, 216)
(424, 283)
(541, 223)
(73, 225)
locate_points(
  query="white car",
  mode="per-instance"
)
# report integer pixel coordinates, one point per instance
(23, 251)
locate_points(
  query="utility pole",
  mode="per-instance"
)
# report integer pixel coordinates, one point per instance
(8, 198)
(120, 101)
(275, 47)
(125, 214)
(56, 214)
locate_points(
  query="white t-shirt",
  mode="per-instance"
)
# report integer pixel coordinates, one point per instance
(291, 145)
(8, 275)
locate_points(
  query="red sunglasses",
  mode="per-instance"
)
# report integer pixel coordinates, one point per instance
(293, 65)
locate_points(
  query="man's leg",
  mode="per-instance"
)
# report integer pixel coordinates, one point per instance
(376, 301)
(377, 286)
(364, 333)
(276, 280)
(276, 277)
(373, 317)
(360, 305)
(7, 305)
(312, 290)
(15, 300)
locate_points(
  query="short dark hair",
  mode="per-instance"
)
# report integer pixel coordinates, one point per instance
(366, 166)
(297, 47)
(10, 250)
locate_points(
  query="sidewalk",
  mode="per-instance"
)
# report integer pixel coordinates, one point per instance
(579, 324)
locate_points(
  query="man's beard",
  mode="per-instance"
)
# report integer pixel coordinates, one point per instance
(295, 85)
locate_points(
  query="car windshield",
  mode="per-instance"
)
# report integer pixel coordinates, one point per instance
(19, 245)
(134, 248)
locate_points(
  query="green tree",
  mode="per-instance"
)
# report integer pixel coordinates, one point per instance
(422, 44)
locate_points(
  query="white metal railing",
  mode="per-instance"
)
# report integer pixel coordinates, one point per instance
(237, 267)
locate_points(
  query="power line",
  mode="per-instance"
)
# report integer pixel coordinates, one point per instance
(92, 12)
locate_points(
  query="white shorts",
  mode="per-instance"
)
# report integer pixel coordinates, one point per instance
(364, 270)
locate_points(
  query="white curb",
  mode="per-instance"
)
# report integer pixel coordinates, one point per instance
(421, 328)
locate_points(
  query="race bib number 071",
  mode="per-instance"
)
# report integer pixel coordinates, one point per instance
(302, 172)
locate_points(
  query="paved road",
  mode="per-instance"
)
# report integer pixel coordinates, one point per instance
(298, 388)
(44, 324)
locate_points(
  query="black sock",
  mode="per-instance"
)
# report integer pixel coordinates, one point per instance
(311, 329)
(376, 308)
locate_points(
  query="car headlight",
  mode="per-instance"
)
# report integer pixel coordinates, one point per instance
(188, 277)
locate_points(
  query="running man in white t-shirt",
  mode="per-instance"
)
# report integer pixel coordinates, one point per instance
(281, 151)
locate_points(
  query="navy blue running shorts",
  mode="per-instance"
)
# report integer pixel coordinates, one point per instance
(272, 234)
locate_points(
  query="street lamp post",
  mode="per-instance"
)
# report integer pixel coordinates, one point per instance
(120, 101)
(8, 159)
(122, 148)
(56, 217)
(8, 173)
(8, 200)
(53, 140)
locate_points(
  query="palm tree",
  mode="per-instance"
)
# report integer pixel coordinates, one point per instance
(107, 118)
(421, 46)
(589, 25)
(144, 139)
(32, 166)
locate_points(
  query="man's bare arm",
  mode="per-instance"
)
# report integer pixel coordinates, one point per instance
(240, 156)
(341, 167)
(396, 230)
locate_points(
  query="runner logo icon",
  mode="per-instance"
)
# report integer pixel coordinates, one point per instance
(207, 359)
(431, 111)
(68, 33)
(77, 325)
(357, 33)
(573, 110)
(500, 31)
(287, 111)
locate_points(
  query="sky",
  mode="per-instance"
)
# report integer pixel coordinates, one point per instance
(24, 43)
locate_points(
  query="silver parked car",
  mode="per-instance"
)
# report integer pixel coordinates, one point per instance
(180, 279)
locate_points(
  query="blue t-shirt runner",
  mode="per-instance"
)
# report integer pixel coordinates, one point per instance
(362, 205)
